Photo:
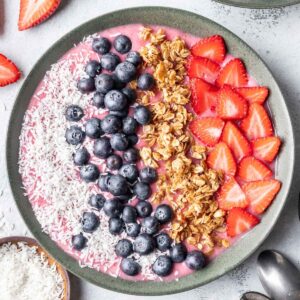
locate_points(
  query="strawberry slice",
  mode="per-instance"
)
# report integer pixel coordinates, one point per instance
(251, 169)
(267, 148)
(236, 141)
(240, 221)
(257, 124)
(207, 130)
(234, 73)
(260, 194)
(9, 72)
(33, 13)
(230, 105)
(231, 195)
(212, 47)
(255, 94)
(204, 96)
(221, 158)
(199, 67)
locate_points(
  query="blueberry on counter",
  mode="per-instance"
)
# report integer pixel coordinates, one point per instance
(114, 162)
(117, 185)
(109, 61)
(163, 241)
(119, 141)
(89, 173)
(74, 113)
(150, 225)
(90, 222)
(134, 57)
(115, 100)
(144, 244)
(93, 128)
(81, 157)
(195, 260)
(122, 44)
(142, 115)
(130, 125)
(98, 100)
(178, 253)
(93, 68)
(133, 229)
(113, 207)
(79, 241)
(142, 190)
(129, 214)
(125, 71)
(102, 182)
(162, 266)
(102, 147)
(130, 267)
(146, 82)
(144, 209)
(86, 85)
(164, 213)
(104, 83)
(101, 45)
(131, 155)
(130, 172)
(111, 124)
(130, 94)
(115, 225)
(124, 248)
(74, 135)
(132, 139)
(148, 175)
(97, 201)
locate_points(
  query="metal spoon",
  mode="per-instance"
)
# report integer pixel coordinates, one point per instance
(254, 296)
(279, 277)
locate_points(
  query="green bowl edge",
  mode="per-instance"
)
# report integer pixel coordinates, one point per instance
(258, 4)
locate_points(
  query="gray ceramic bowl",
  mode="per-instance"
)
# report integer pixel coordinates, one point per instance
(196, 25)
(259, 3)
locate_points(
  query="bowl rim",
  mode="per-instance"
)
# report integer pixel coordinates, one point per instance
(257, 4)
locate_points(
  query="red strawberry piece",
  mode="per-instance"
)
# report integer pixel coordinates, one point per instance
(251, 169)
(199, 67)
(236, 141)
(212, 47)
(257, 124)
(221, 158)
(255, 94)
(234, 73)
(230, 105)
(207, 130)
(267, 148)
(33, 13)
(261, 193)
(9, 72)
(231, 195)
(204, 96)
(240, 221)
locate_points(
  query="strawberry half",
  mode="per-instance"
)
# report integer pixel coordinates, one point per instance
(221, 158)
(230, 105)
(9, 72)
(212, 47)
(33, 13)
(251, 169)
(240, 221)
(260, 194)
(266, 148)
(257, 124)
(234, 73)
(236, 141)
(255, 94)
(231, 195)
(199, 67)
(207, 130)
(204, 96)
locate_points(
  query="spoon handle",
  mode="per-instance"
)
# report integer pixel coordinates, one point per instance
(254, 296)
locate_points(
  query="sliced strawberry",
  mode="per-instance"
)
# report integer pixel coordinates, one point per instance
(33, 13)
(239, 221)
(236, 141)
(231, 195)
(257, 124)
(261, 193)
(230, 105)
(199, 67)
(266, 148)
(212, 47)
(251, 169)
(207, 130)
(204, 96)
(255, 94)
(9, 72)
(221, 158)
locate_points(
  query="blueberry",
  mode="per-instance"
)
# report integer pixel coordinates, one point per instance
(125, 71)
(129, 214)
(163, 241)
(86, 85)
(97, 201)
(118, 85)
(142, 115)
(74, 113)
(74, 135)
(130, 125)
(120, 113)
(148, 175)
(115, 100)
(164, 213)
(98, 100)
(117, 185)
(142, 190)
(130, 94)
(119, 142)
(114, 162)
(124, 248)
(115, 225)
(93, 128)
(122, 44)
(109, 61)
(134, 57)
(130, 172)
(150, 225)
(113, 207)
(101, 45)
(78, 241)
(102, 148)
(144, 244)
(111, 124)
(132, 139)
(102, 182)
(126, 197)
(178, 253)
(195, 260)
(145, 82)
(81, 157)
(133, 229)
(163, 266)
(131, 155)
(93, 68)
(89, 173)
(90, 222)
(144, 209)
(130, 267)
(104, 83)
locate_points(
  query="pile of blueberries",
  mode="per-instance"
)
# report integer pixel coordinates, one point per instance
(117, 132)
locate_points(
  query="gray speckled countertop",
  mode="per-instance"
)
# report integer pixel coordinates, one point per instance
(274, 34)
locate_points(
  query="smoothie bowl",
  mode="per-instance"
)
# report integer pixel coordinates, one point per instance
(149, 155)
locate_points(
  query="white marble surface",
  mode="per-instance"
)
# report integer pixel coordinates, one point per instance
(274, 34)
